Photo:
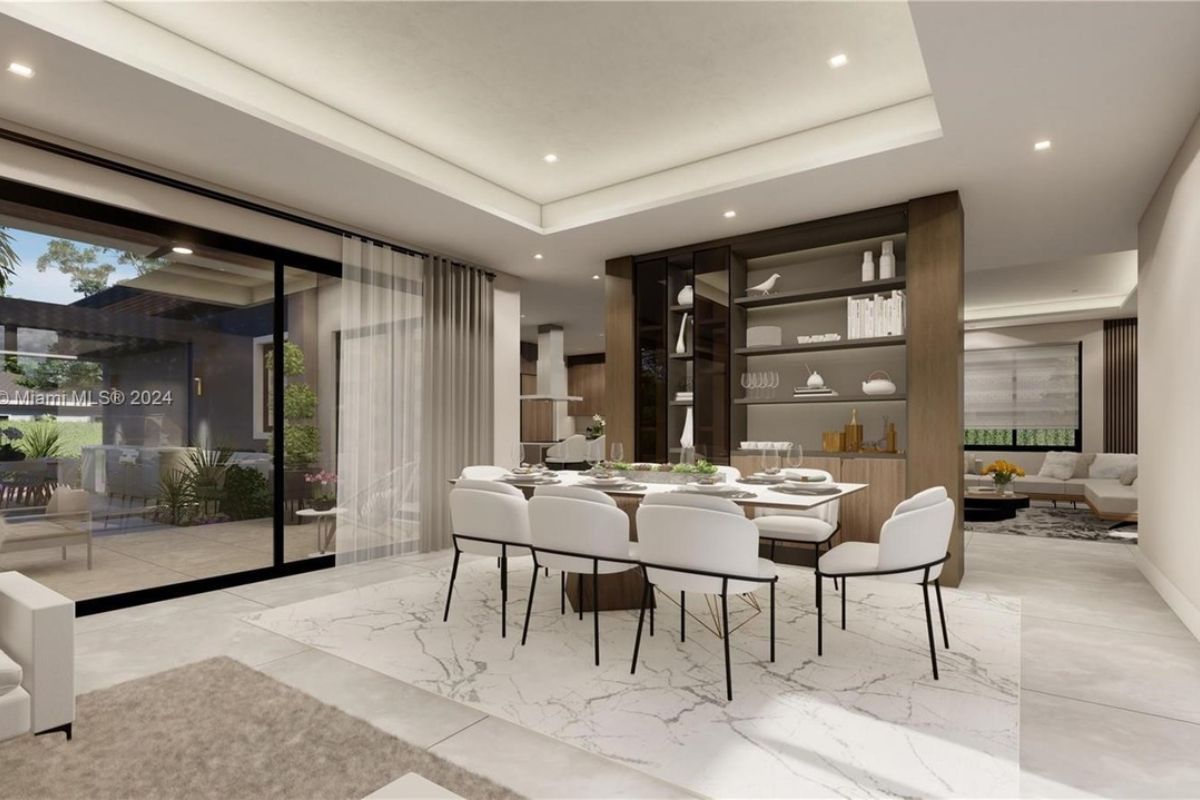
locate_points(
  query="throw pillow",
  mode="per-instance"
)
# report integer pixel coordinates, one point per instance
(1060, 466)
(1129, 475)
(1111, 465)
(1083, 464)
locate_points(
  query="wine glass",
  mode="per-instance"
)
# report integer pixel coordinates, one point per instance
(746, 385)
(770, 460)
(774, 382)
(594, 456)
(618, 452)
(795, 456)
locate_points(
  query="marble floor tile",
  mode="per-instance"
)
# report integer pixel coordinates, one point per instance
(1135, 671)
(1070, 747)
(865, 718)
(540, 766)
(305, 586)
(416, 716)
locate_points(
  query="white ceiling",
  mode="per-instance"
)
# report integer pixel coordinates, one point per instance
(1115, 85)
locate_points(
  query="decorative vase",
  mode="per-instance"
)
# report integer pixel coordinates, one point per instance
(887, 261)
(322, 503)
(685, 296)
(1002, 485)
(868, 266)
(685, 441)
(680, 343)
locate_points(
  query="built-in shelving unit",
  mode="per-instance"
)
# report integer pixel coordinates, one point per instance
(819, 347)
(811, 295)
(811, 400)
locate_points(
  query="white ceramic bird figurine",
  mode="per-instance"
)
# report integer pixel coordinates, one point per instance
(766, 286)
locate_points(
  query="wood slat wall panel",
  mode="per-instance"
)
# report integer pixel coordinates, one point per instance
(1120, 386)
(620, 359)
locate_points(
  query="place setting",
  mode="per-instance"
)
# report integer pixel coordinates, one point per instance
(531, 475)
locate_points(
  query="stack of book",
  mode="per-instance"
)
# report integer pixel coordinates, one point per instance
(876, 316)
(683, 397)
(820, 391)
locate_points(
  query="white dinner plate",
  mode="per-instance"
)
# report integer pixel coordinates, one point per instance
(713, 488)
(613, 481)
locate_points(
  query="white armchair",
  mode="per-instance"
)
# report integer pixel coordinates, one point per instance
(66, 520)
(571, 450)
(913, 546)
(37, 658)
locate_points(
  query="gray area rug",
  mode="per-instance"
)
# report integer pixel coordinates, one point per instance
(1058, 523)
(218, 729)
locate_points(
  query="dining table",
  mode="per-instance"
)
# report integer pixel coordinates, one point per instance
(623, 590)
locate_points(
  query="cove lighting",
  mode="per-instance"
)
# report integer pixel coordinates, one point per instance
(840, 60)
(183, 251)
(1044, 144)
(730, 214)
(20, 69)
(549, 158)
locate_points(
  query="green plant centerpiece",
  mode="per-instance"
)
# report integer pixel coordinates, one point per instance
(643, 472)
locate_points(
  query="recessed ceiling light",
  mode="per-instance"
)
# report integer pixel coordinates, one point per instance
(840, 60)
(730, 214)
(538, 256)
(20, 69)
(1044, 144)
(181, 250)
(549, 158)
(522, 316)
(595, 277)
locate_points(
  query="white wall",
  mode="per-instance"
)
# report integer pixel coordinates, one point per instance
(506, 366)
(1091, 333)
(1169, 383)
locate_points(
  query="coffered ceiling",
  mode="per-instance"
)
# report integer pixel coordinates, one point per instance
(427, 123)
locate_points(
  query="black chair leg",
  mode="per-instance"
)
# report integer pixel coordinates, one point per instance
(772, 620)
(529, 605)
(562, 592)
(637, 643)
(503, 591)
(450, 591)
(725, 631)
(937, 587)
(683, 616)
(596, 608)
(580, 596)
(829, 546)
(652, 604)
(843, 603)
(929, 628)
(820, 612)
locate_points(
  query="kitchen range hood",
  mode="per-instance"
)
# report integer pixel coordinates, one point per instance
(551, 368)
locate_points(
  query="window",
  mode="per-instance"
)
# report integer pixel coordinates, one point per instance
(1023, 398)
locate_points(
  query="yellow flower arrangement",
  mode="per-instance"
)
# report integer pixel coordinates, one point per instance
(1003, 472)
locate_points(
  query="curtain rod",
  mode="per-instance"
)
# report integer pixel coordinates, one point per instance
(213, 194)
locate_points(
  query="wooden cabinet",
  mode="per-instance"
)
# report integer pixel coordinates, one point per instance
(587, 381)
(864, 513)
(537, 416)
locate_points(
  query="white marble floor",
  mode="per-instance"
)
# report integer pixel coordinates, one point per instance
(867, 719)
(1116, 737)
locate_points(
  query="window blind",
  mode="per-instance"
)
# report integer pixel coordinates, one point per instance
(1022, 387)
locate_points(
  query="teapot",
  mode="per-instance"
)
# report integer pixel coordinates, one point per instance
(879, 385)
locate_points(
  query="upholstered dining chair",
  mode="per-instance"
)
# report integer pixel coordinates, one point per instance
(816, 526)
(489, 519)
(913, 547)
(579, 530)
(696, 543)
(483, 472)
(571, 450)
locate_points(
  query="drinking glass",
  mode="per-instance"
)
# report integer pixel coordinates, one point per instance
(770, 461)
(795, 456)
(618, 452)
(746, 385)
(594, 456)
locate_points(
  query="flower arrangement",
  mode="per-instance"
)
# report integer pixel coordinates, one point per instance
(1002, 473)
(323, 486)
(596, 429)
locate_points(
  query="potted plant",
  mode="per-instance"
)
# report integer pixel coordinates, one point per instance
(323, 486)
(596, 429)
(1002, 473)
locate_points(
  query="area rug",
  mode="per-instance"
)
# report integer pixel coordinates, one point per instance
(217, 729)
(866, 719)
(1058, 523)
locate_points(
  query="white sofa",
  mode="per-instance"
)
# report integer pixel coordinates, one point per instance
(37, 658)
(1107, 497)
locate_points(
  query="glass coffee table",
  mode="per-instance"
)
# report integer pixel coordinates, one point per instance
(989, 506)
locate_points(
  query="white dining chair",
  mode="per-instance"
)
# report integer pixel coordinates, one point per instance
(913, 546)
(571, 450)
(488, 519)
(815, 526)
(483, 472)
(694, 543)
(597, 449)
(582, 531)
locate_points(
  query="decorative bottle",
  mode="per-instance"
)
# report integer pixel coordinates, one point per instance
(868, 266)
(681, 343)
(887, 262)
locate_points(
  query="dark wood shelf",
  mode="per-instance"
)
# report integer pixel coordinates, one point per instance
(787, 298)
(887, 398)
(682, 308)
(681, 403)
(681, 356)
(817, 347)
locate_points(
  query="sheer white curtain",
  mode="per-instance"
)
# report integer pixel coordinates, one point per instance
(380, 411)
(1036, 386)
